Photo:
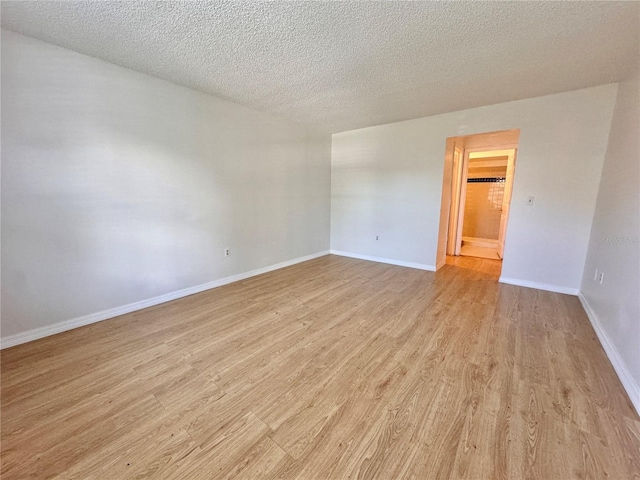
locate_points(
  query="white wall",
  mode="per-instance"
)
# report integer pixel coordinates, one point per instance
(118, 187)
(614, 247)
(387, 181)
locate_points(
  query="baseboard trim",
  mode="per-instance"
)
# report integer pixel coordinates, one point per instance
(480, 242)
(400, 263)
(539, 286)
(629, 384)
(66, 325)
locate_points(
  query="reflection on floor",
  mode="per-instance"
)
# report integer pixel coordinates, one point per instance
(491, 267)
(482, 252)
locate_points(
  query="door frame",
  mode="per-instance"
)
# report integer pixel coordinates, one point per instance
(506, 200)
(456, 176)
(459, 188)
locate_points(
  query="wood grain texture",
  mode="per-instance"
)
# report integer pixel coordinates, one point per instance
(332, 369)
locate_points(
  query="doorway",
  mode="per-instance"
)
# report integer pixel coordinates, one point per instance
(485, 197)
(477, 187)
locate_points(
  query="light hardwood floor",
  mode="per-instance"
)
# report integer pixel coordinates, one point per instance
(332, 369)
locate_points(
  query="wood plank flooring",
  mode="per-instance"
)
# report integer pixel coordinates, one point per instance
(332, 369)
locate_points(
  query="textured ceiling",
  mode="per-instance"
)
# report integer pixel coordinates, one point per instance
(346, 65)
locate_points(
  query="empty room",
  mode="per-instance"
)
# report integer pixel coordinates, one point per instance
(320, 240)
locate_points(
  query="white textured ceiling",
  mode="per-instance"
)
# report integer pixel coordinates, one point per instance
(346, 65)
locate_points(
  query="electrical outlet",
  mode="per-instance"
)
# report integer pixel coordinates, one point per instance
(601, 277)
(227, 252)
(376, 237)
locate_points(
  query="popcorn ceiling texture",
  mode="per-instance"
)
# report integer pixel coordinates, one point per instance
(347, 65)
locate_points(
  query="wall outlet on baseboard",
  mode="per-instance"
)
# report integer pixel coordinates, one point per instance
(227, 252)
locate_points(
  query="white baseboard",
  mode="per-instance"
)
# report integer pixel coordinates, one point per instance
(539, 286)
(60, 327)
(629, 384)
(480, 242)
(400, 263)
